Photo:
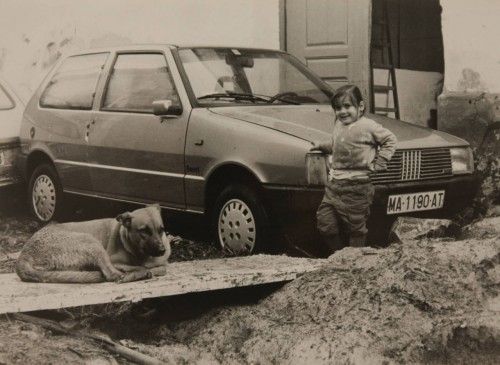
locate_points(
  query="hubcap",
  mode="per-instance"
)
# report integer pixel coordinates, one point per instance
(44, 198)
(236, 227)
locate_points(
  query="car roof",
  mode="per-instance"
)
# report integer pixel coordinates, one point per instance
(156, 46)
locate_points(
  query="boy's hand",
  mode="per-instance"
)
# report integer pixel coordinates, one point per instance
(380, 164)
(316, 146)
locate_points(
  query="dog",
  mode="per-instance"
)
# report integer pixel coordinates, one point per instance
(133, 246)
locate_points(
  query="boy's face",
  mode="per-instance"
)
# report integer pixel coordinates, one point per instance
(347, 112)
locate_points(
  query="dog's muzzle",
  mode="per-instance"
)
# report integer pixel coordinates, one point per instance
(158, 249)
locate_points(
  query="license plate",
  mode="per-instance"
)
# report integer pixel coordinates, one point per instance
(415, 202)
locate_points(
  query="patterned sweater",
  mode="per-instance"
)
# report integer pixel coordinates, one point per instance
(355, 147)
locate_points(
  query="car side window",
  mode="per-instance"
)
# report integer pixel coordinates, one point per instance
(136, 81)
(73, 85)
(5, 100)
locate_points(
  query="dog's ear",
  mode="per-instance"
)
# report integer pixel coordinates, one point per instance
(125, 219)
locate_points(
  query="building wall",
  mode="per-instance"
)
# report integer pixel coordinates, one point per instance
(470, 101)
(35, 33)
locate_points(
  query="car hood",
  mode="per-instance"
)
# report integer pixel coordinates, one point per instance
(315, 123)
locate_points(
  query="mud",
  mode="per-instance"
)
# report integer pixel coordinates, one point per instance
(429, 300)
(433, 301)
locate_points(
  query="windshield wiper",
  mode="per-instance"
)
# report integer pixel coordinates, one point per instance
(251, 97)
(235, 96)
(283, 97)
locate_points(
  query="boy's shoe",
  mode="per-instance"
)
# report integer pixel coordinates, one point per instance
(334, 243)
(357, 240)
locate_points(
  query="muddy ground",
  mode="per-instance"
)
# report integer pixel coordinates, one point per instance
(427, 300)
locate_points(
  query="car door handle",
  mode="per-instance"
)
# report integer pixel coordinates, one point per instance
(87, 133)
(199, 142)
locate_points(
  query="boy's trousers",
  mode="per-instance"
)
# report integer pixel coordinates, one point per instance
(345, 202)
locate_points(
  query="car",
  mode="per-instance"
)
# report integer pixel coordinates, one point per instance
(219, 131)
(11, 112)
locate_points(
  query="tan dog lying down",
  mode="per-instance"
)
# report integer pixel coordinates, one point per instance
(131, 247)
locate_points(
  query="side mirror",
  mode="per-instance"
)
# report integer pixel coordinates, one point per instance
(164, 108)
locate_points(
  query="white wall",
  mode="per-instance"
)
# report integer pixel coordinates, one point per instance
(34, 32)
(417, 93)
(471, 31)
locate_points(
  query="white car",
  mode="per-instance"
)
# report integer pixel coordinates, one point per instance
(11, 112)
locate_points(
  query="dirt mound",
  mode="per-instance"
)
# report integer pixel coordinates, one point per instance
(28, 344)
(433, 301)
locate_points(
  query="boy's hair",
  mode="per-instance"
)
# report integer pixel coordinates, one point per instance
(351, 92)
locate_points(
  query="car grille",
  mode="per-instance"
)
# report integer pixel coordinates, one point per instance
(414, 165)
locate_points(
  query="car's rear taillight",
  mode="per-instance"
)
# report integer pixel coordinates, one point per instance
(8, 156)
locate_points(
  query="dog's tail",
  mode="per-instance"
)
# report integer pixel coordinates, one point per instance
(26, 271)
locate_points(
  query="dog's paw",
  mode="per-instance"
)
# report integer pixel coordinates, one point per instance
(136, 275)
(114, 275)
(159, 270)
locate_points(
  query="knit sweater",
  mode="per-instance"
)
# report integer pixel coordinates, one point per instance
(356, 146)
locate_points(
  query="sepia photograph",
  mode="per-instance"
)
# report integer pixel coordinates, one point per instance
(249, 182)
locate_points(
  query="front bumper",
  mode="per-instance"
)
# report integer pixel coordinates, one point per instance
(294, 208)
(459, 192)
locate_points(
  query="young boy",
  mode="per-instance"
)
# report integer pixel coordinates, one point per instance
(359, 146)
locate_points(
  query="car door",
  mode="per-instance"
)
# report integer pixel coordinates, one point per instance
(134, 154)
(64, 117)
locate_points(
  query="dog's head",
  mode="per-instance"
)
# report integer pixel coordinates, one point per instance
(144, 234)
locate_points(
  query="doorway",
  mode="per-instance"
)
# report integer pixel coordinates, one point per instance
(411, 31)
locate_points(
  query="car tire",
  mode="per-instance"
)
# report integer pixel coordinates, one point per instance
(240, 221)
(45, 196)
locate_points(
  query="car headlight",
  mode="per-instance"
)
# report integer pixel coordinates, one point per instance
(461, 160)
(316, 168)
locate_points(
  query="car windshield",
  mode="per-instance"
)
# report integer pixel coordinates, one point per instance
(222, 76)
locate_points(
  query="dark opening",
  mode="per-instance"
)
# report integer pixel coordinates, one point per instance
(406, 35)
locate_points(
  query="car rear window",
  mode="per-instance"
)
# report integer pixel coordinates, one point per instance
(136, 81)
(5, 100)
(73, 85)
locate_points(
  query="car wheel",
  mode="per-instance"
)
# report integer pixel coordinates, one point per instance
(45, 193)
(240, 220)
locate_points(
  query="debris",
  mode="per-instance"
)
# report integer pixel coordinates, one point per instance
(410, 228)
(110, 345)
(487, 227)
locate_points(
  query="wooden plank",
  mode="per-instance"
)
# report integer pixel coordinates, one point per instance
(181, 278)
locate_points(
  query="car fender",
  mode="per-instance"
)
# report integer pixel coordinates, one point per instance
(213, 141)
(38, 151)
